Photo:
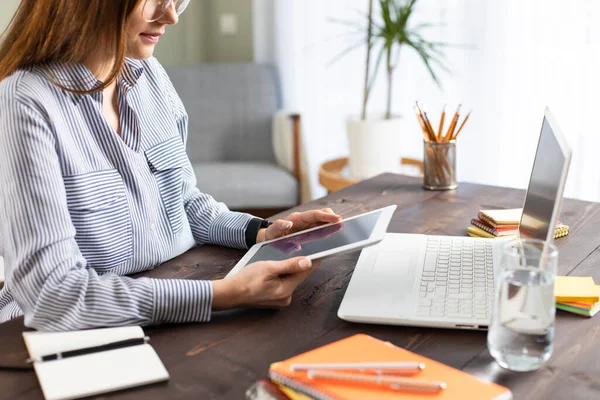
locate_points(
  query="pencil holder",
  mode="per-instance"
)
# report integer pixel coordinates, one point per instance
(439, 164)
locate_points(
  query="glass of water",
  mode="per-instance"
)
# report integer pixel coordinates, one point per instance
(522, 329)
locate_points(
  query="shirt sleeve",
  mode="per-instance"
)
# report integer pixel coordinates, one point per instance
(46, 273)
(210, 221)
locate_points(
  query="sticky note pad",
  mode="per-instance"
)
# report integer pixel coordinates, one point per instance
(575, 288)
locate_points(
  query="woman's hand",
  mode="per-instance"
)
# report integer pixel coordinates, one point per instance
(296, 222)
(262, 284)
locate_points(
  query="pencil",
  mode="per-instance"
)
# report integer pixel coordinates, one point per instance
(450, 132)
(394, 383)
(425, 133)
(439, 135)
(461, 125)
(428, 129)
(428, 125)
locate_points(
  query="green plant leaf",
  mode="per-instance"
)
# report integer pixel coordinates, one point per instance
(345, 51)
(376, 68)
(352, 24)
(391, 30)
(427, 58)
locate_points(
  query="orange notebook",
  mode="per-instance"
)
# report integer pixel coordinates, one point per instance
(364, 348)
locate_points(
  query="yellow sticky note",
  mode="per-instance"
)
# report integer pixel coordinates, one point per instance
(575, 289)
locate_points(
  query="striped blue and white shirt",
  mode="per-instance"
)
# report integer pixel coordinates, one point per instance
(81, 206)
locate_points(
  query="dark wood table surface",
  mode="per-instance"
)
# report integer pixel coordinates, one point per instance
(221, 359)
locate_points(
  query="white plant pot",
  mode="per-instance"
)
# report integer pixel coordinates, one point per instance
(374, 146)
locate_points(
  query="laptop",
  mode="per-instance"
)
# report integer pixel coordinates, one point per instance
(448, 281)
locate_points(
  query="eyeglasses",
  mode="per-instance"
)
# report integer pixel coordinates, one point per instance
(154, 10)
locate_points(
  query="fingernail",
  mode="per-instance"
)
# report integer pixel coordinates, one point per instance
(304, 263)
(287, 224)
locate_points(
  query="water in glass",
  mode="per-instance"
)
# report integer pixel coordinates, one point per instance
(522, 330)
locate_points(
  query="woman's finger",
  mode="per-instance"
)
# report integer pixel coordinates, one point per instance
(313, 218)
(279, 228)
(323, 216)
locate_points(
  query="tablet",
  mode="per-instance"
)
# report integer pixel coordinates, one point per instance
(349, 234)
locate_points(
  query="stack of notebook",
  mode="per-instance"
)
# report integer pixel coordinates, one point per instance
(363, 367)
(578, 295)
(502, 223)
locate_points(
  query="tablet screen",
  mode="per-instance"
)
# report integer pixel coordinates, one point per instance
(326, 238)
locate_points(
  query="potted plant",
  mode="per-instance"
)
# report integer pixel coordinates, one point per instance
(374, 142)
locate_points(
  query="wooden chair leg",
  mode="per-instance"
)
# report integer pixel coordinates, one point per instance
(296, 152)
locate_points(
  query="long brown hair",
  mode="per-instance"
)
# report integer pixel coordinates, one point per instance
(66, 31)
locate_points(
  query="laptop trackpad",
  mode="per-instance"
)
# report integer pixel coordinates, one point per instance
(395, 274)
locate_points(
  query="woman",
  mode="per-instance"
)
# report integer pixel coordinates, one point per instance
(96, 183)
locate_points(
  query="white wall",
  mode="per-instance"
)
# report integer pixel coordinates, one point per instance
(263, 22)
(509, 61)
(185, 43)
(7, 9)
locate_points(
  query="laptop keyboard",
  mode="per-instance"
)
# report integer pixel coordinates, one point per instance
(457, 280)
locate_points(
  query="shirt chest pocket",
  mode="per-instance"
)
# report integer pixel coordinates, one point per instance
(100, 213)
(166, 161)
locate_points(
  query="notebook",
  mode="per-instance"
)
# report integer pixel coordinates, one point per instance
(92, 374)
(364, 348)
(478, 231)
(506, 230)
(292, 394)
(475, 231)
(495, 218)
(575, 289)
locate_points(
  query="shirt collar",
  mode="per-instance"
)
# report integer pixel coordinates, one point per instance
(132, 70)
(78, 77)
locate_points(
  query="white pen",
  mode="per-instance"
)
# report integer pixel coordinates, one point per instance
(394, 383)
(378, 367)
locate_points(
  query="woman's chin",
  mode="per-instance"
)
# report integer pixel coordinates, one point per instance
(141, 52)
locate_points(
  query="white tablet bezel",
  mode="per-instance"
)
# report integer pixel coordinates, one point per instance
(377, 235)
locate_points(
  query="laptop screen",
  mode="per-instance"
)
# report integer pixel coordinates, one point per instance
(545, 185)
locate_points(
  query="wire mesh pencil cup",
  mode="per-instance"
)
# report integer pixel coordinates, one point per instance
(439, 164)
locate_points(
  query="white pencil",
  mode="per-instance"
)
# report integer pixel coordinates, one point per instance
(400, 367)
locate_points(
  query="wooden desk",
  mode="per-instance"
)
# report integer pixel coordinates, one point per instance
(220, 359)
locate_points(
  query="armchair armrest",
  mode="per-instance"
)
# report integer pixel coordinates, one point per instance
(289, 150)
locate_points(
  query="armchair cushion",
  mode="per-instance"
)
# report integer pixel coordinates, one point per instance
(230, 107)
(247, 185)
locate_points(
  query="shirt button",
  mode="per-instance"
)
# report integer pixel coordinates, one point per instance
(152, 226)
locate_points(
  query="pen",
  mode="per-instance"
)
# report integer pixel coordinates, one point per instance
(378, 367)
(88, 350)
(394, 383)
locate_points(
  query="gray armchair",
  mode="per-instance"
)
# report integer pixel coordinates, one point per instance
(244, 150)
